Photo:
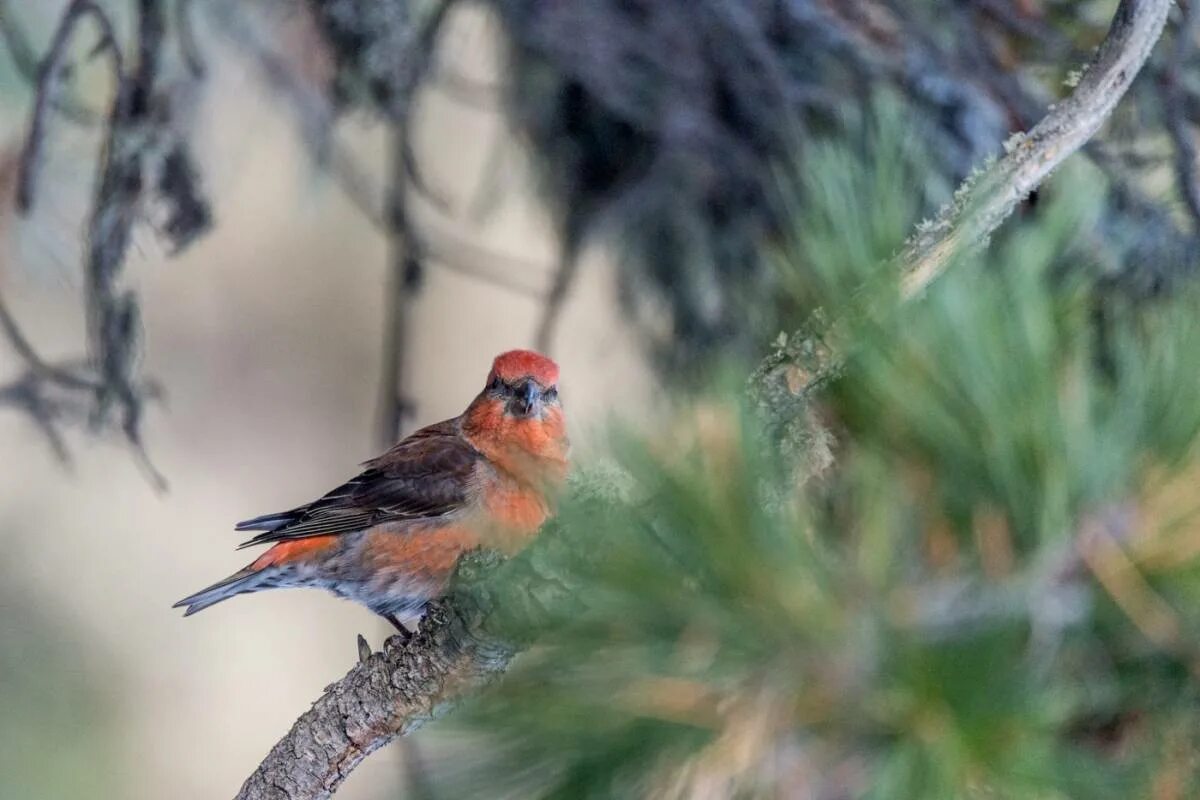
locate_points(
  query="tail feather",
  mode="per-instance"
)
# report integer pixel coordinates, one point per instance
(267, 522)
(240, 582)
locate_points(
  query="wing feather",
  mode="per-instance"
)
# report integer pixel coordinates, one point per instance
(425, 476)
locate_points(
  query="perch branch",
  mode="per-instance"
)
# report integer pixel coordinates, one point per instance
(463, 641)
(390, 694)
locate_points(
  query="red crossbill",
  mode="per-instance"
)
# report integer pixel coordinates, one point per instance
(390, 537)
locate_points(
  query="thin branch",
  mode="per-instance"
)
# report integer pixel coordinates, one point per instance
(142, 159)
(407, 255)
(34, 362)
(443, 245)
(390, 694)
(809, 358)
(107, 380)
(45, 392)
(186, 37)
(404, 276)
(564, 277)
(26, 63)
(983, 203)
(47, 73)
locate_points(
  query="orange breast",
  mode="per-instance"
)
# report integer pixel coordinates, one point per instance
(425, 552)
(512, 514)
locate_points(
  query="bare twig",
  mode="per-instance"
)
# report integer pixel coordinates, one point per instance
(442, 245)
(564, 276)
(407, 256)
(26, 63)
(187, 38)
(142, 158)
(404, 276)
(47, 73)
(34, 362)
(50, 394)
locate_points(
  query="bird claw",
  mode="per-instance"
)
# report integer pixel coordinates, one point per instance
(364, 649)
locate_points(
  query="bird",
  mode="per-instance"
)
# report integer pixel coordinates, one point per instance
(390, 537)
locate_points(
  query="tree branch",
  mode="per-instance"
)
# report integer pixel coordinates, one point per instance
(390, 694)
(809, 358)
(396, 691)
(48, 71)
(143, 159)
(983, 203)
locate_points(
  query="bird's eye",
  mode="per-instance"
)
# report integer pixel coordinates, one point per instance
(495, 385)
(551, 394)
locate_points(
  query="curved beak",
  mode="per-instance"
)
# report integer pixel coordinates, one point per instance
(528, 400)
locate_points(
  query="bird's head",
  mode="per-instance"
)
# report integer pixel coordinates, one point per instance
(525, 383)
(517, 420)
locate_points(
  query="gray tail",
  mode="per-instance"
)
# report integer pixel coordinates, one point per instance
(240, 582)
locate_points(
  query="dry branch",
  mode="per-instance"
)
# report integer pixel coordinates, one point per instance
(391, 693)
(48, 71)
(462, 642)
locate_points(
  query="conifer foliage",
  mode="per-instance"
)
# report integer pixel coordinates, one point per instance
(988, 592)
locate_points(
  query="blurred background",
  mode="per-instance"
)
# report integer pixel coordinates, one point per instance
(347, 207)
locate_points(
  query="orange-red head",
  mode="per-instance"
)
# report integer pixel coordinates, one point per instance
(516, 365)
(517, 420)
(524, 382)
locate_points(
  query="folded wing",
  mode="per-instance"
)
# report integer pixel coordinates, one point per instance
(428, 475)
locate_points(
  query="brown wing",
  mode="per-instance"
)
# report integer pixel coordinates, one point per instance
(424, 476)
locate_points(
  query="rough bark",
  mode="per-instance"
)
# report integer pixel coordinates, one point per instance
(463, 640)
(387, 695)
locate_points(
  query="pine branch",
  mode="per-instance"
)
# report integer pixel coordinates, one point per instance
(986, 199)
(983, 203)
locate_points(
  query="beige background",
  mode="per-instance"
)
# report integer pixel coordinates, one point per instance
(266, 338)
